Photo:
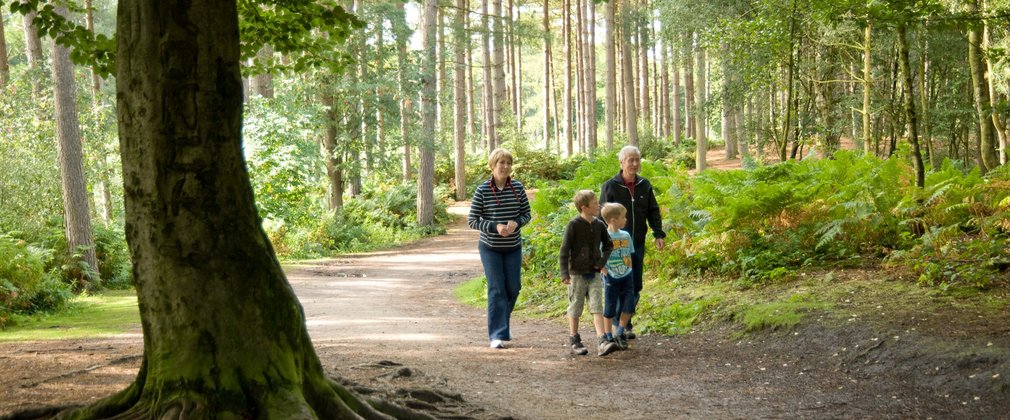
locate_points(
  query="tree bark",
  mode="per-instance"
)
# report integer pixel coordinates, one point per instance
(547, 76)
(263, 84)
(459, 96)
(567, 95)
(5, 70)
(195, 237)
(913, 127)
(77, 216)
(995, 97)
(643, 60)
(401, 32)
(33, 44)
(687, 63)
(630, 108)
(678, 128)
(426, 150)
(987, 143)
(867, 87)
(500, 100)
(332, 157)
(489, 109)
(610, 77)
(701, 149)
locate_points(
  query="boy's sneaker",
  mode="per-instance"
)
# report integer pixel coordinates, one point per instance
(606, 347)
(621, 341)
(575, 343)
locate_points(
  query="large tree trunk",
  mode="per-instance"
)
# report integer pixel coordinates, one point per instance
(995, 97)
(426, 150)
(33, 50)
(459, 96)
(77, 216)
(610, 77)
(913, 127)
(195, 237)
(5, 70)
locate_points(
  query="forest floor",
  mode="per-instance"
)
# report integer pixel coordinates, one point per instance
(388, 322)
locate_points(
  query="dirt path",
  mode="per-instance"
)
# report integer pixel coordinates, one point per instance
(388, 320)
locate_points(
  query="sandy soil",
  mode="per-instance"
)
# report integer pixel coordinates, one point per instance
(388, 321)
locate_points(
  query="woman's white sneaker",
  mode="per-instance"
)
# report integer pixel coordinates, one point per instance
(497, 344)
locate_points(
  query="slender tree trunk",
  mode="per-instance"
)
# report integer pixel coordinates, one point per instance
(513, 64)
(380, 98)
(987, 139)
(33, 44)
(995, 97)
(867, 87)
(471, 113)
(610, 77)
(580, 76)
(567, 95)
(77, 216)
(105, 207)
(588, 80)
(913, 128)
(426, 149)
(630, 111)
(401, 32)
(263, 83)
(489, 118)
(678, 128)
(927, 135)
(5, 70)
(519, 82)
(701, 150)
(790, 90)
(547, 76)
(459, 94)
(332, 157)
(592, 75)
(687, 61)
(643, 61)
(664, 71)
(500, 100)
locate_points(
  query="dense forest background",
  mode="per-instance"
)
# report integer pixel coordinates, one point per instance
(871, 133)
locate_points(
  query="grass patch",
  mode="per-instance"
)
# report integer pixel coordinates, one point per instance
(472, 292)
(108, 314)
(780, 314)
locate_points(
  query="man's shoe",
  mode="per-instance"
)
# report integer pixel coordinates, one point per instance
(606, 347)
(621, 341)
(575, 343)
(629, 334)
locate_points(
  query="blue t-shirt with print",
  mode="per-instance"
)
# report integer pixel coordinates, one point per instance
(619, 263)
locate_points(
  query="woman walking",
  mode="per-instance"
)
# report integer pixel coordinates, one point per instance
(498, 210)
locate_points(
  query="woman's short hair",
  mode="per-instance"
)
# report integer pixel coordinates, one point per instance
(582, 198)
(628, 150)
(498, 154)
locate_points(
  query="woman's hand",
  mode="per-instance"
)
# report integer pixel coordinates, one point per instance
(506, 229)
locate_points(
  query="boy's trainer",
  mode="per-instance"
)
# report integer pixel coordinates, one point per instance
(575, 342)
(621, 340)
(606, 347)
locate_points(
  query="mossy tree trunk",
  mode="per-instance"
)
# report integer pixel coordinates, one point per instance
(224, 336)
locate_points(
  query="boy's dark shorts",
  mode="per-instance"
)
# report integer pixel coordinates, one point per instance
(618, 293)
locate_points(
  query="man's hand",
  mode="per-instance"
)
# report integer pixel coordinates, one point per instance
(660, 243)
(566, 280)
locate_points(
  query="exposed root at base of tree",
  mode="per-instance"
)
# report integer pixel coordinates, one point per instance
(338, 398)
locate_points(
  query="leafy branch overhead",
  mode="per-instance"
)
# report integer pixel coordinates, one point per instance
(309, 32)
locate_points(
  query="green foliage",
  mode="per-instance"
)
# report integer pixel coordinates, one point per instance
(25, 286)
(472, 292)
(383, 215)
(958, 228)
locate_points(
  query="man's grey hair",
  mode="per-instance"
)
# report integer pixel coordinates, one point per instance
(626, 151)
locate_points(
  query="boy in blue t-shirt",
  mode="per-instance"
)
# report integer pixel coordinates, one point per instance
(619, 289)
